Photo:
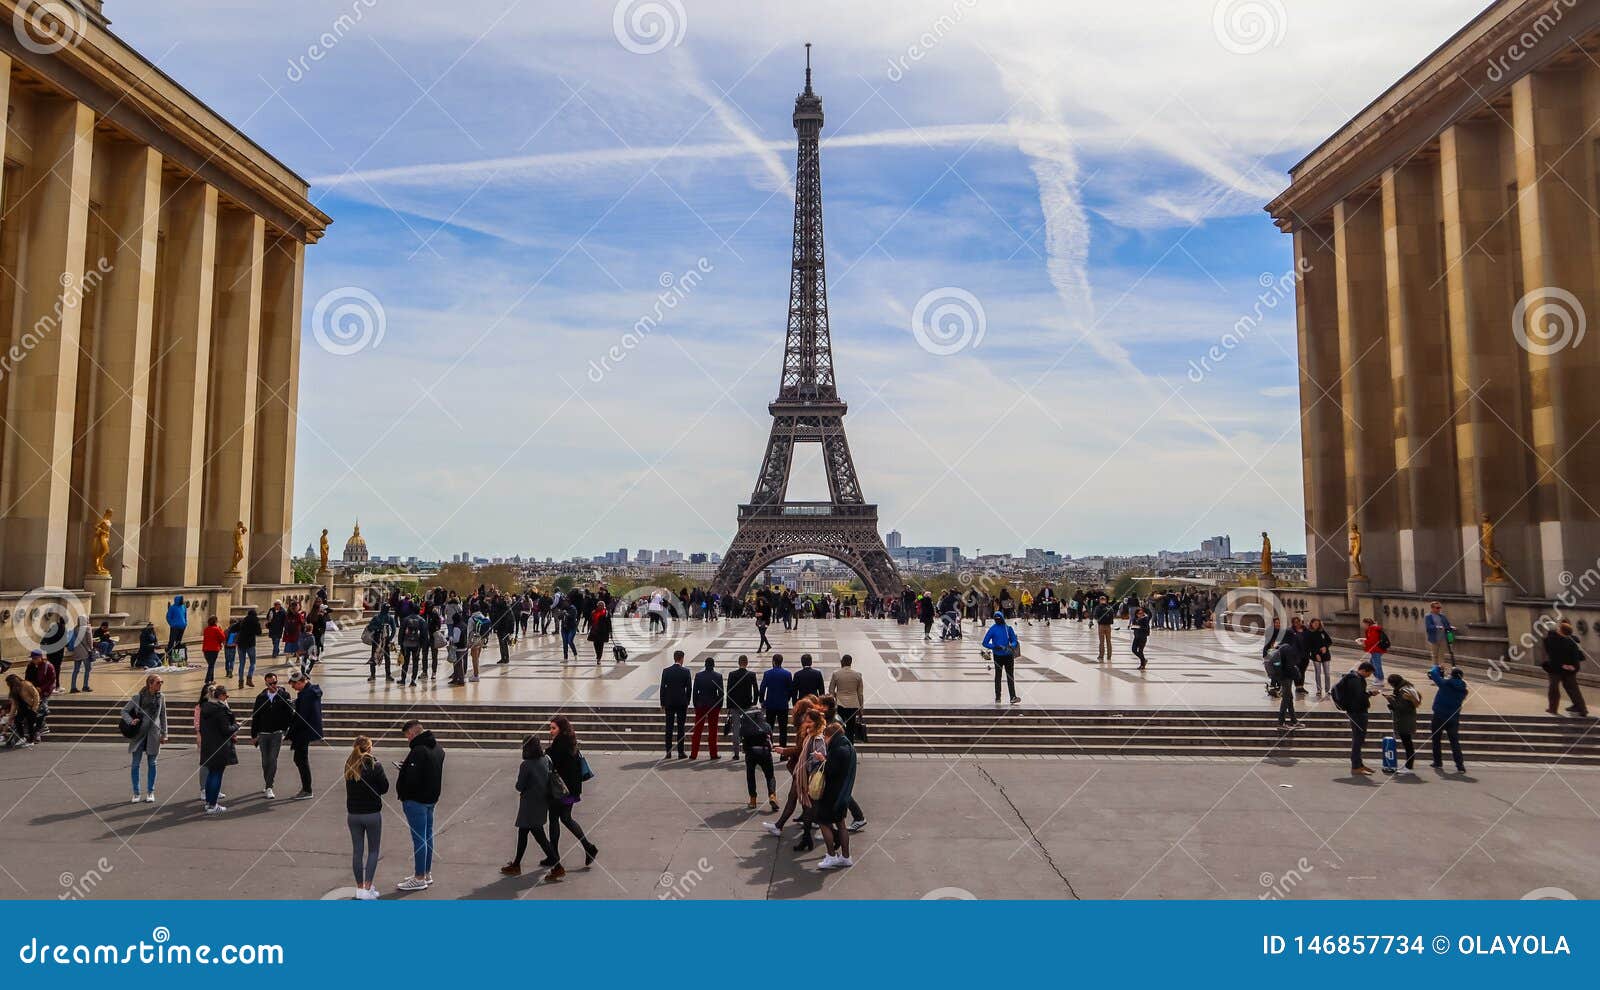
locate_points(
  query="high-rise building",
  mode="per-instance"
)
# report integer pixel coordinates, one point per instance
(642, 557)
(894, 540)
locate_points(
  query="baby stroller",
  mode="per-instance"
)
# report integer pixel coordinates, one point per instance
(10, 737)
(950, 626)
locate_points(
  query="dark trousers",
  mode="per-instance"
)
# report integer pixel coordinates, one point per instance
(1410, 747)
(762, 762)
(1009, 666)
(561, 814)
(1450, 727)
(780, 724)
(175, 637)
(1358, 736)
(1566, 679)
(676, 715)
(1138, 648)
(848, 717)
(539, 837)
(302, 762)
(763, 645)
(1286, 704)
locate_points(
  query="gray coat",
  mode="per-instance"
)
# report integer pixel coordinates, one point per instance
(533, 784)
(152, 728)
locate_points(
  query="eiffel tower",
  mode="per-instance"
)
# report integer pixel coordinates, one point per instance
(808, 410)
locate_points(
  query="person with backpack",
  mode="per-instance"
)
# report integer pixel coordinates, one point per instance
(1447, 701)
(599, 631)
(1404, 700)
(1001, 642)
(1352, 696)
(755, 739)
(413, 637)
(1284, 663)
(1374, 643)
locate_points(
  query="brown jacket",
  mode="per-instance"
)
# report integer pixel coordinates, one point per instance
(846, 687)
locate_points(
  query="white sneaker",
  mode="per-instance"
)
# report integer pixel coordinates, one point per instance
(771, 828)
(215, 809)
(150, 798)
(270, 795)
(412, 883)
(828, 862)
(843, 862)
(473, 679)
(136, 798)
(366, 894)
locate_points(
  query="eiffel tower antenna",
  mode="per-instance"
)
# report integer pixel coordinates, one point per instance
(808, 410)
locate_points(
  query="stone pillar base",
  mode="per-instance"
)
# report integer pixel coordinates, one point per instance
(325, 580)
(1355, 589)
(99, 588)
(1495, 596)
(1267, 582)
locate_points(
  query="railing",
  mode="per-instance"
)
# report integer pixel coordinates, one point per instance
(802, 510)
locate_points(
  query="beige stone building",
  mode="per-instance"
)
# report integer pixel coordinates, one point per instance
(1449, 239)
(151, 264)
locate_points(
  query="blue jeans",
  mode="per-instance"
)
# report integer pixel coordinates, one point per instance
(213, 787)
(87, 666)
(569, 642)
(150, 760)
(275, 642)
(105, 648)
(1377, 666)
(246, 652)
(420, 817)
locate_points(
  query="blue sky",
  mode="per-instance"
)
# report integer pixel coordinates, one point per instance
(517, 185)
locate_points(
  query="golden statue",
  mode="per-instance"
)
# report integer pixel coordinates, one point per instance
(238, 547)
(1492, 562)
(101, 547)
(323, 547)
(1355, 553)
(1266, 554)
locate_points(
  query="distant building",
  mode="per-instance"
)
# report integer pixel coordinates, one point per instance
(927, 555)
(355, 548)
(894, 540)
(643, 557)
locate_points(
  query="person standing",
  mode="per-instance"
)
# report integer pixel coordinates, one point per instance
(307, 728)
(707, 708)
(217, 752)
(677, 689)
(177, 622)
(365, 784)
(1319, 647)
(1563, 657)
(1354, 698)
(1450, 695)
(1374, 643)
(829, 810)
(147, 712)
(808, 679)
(1440, 632)
(743, 696)
(80, 647)
(1001, 642)
(275, 617)
(849, 693)
(244, 644)
(763, 620)
(1140, 624)
(413, 637)
(533, 808)
(1404, 700)
(270, 719)
(418, 785)
(1105, 615)
(755, 738)
(777, 694)
(569, 766)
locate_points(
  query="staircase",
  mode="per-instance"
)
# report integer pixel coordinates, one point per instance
(924, 731)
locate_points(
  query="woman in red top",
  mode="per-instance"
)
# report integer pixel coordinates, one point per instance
(211, 644)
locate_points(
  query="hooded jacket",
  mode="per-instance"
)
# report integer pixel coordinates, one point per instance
(422, 774)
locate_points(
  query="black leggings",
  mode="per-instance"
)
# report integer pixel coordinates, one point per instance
(539, 837)
(561, 814)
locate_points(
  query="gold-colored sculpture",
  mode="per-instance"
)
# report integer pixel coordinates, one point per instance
(101, 548)
(1492, 562)
(323, 547)
(238, 547)
(1355, 552)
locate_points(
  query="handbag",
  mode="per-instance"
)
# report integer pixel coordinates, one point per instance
(129, 725)
(584, 773)
(858, 728)
(815, 783)
(439, 641)
(558, 787)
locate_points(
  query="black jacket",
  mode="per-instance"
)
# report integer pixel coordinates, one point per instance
(808, 681)
(743, 686)
(677, 684)
(365, 796)
(707, 689)
(564, 758)
(1561, 651)
(274, 715)
(1352, 690)
(217, 727)
(422, 774)
(307, 727)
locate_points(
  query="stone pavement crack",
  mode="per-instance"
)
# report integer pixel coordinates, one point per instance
(1044, 850)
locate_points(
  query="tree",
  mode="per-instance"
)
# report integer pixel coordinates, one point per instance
(305, 571)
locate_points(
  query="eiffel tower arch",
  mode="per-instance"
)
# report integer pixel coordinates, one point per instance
(808, 410)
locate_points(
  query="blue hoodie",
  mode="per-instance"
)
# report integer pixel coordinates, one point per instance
(1452, 693)
(178, 613)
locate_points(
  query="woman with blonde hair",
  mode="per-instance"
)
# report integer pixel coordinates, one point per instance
(365, 784)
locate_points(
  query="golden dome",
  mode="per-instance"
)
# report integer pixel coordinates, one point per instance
(355, 548)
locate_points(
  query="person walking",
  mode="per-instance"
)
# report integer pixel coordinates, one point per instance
(306, 729)
(1319, 647)
(218, 727)
(830, 808)
(763, 621)
(244, 646)
(808, 680)
(743, 695)
(1284, 663)
(212, 640)
(365, 784)
(1563, 657)
(1404, 700)
(270, 719)
(755, 738)
(275, 616)
(1001, 642)
(567, 623)
(1440, 632)
(677, 690)
(707, 708)
(1352, 696)
(849, 692)
(1374, 643)
(1450, 694)
(599, 631)
(777, 694)
(569, 766)
(418, 785)
(146, 713)
(534, 779)
(1140, 624)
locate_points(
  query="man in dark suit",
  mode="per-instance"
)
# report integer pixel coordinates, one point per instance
(743, 693)
(707, 707)
(808, 679)
(677, 685)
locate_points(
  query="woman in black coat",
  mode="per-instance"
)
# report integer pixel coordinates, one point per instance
(568, 765)
(217, 753)
(829, 810)
(534, 779)
(599, 631)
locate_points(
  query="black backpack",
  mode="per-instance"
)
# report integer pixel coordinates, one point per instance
(1383, 641)
(1341, 692)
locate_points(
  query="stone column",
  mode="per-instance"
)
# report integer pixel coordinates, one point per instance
(1419, 364)
(180, 383)
(231, 427)
(1555, 170)
(1321, 416)
(277, 399)
(1494, 473)
(1366, 388)
(40, 407)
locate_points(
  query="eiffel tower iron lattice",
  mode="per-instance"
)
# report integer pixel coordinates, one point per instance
(808, 410)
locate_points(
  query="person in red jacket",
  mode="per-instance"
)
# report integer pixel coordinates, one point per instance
(1374, 643)
(211, 641)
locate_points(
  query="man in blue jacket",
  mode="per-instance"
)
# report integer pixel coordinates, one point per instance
(1447, 701)
(306, 729)
(177, 623)
(676, 689)
(777, 694)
